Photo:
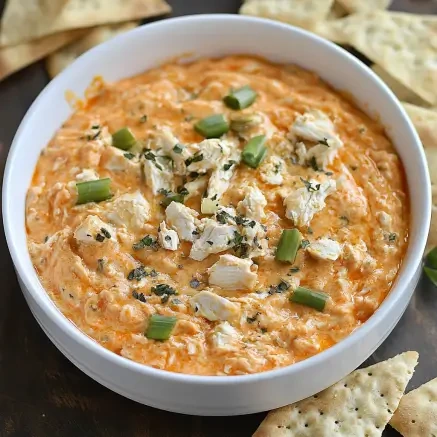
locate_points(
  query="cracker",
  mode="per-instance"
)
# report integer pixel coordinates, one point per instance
(416, 415)
(425, 122)
(59, 60)
(31, 19)
(302, 13)
(359, 405)
(364, 5)
(399, 90)
(17, 57)
(404, 45)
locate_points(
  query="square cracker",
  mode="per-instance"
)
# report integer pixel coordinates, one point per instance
(30, 19)
(416, 415)
(17, 57)
(359, 405)
(59, 60)
(302, 13)
(425, 122)
(404, 45)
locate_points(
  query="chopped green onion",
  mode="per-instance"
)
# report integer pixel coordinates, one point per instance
(172, 198)
(241, 98)
(288, 246)
(213, 126)
(431, 258)
(310, 298)
(93, 191)
(123, 139)
(160, 327)
(432, 274)
(255, 151)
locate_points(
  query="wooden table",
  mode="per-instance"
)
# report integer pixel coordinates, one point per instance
(42, 394)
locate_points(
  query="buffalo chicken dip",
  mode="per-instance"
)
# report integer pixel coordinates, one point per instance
(222, 217)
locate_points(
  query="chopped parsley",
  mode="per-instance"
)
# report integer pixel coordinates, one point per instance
(324, 142)
(149, 155)
(313, 164)
(143, 118)
(392, 237)
(176, 302)
(309, 186)
(105, 233)
(210, 242)
(139, 296)
(129, 155)
(183, 191)
(196, 158)
(100, 238)
(304, 244)
(253, 318)
(146, 241)
(100, 265)
(222, 216)
(167, 238)
(309, 230)
(293, 270)
(141, 272)
(194, 283)
(227, 166)
(163, 289)
(280, 288)
(178, 148)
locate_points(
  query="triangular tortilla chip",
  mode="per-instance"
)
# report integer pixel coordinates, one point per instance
(416, 415)
(425, 122)
(404, 45)
(57, 61)
(17, 57)
(360, 405)
(294, 12)
(30, 19)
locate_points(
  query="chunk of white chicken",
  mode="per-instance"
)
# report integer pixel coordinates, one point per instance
(214, 238)
(302, 204)
(357, 257)
(225, 337)
(209, 155)
(325, 249)
(93, 230)
(131, 210)
(213, 307)
(196, 187)
(313, 126)
(384, 219)
(232, 273)
(169, 145)
(114, 159)
(271, 171)
(168, 238)
(253, 204)
(183, 220)
(255, 236)
(222, 175)
(158, 175)
(87, 174)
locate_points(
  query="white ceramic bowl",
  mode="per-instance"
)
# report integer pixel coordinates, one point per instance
(213, 35)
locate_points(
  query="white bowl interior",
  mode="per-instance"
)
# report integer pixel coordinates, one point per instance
(211, 36)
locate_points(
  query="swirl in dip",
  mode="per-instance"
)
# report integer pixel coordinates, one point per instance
(176, 263)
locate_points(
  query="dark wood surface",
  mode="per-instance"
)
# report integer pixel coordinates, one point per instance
(42, 394)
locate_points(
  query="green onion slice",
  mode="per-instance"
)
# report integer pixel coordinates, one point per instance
(213, 126)
(255, 151)
(431, 258)
(93, 191)
(288, 246)
(160, 327)
(123, 139)
(310, 298)
(432, 274)
(241, 98)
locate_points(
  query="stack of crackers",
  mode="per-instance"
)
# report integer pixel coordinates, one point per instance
(361, 405)
(64, 29)
(400, 47)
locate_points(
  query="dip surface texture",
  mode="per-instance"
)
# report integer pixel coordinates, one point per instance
(330, 172)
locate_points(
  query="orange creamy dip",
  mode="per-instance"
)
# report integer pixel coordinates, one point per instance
(354, 218)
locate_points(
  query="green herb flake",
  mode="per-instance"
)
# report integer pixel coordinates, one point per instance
(227, 166)
(143, 118)
(139, 296)
(253, 318)
(100, 238)
(304, 244)
(178, 148)
(162, 289)
(146, 241)
(309, 186)
(392, 237)
(324, 142)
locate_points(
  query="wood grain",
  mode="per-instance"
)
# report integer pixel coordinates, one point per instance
(42, 394)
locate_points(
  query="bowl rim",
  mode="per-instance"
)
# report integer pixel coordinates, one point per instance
(70, 330)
